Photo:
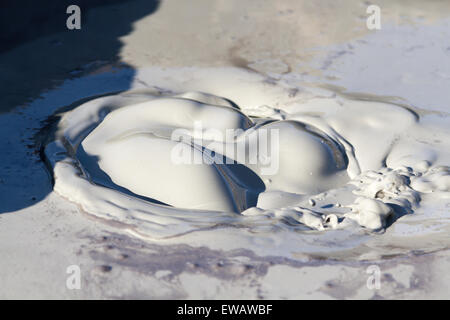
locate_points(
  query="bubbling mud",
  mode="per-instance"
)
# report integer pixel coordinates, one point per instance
(338, 162)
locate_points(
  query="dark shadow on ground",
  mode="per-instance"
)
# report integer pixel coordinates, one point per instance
(399, 212)
(38, 53)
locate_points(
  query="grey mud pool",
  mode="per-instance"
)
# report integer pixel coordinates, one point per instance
(352, 176)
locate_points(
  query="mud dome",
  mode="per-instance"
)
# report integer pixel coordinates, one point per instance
(346, 165)
(134, 147)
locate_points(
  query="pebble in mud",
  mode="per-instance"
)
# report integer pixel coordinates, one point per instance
(102, 269)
